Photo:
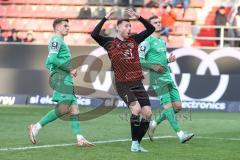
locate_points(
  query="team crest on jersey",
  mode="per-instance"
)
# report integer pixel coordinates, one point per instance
(128, 54)
(131, 45)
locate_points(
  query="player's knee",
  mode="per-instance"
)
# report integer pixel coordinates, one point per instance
(74, 110)
(176, 110)
(177, 107)
(148, 116)
(136, 111)
(135, 108)
(63, 110)
(147, 113)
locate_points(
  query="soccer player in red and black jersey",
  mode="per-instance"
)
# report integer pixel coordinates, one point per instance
(123, 53)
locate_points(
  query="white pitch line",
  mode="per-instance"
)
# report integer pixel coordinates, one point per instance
(103, 142)
(70, 144)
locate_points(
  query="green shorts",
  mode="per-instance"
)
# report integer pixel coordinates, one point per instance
(167, 93)
(63, 87)
(64, 98)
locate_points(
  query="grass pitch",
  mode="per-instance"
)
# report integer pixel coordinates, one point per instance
(217, 137)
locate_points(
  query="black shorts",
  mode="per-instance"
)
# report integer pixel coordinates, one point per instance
(133, 91)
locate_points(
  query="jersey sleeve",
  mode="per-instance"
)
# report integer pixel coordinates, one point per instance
(140, 37)
(143, 50)
(53, 59)
(101, 40)
(54, 46)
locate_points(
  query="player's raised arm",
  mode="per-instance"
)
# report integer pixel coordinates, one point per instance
(101, 40)
(149, 27)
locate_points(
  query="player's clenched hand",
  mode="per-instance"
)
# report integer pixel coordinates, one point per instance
(171, 58)
(74, 72)
(157, 68)
(110, 13)
(132, 14)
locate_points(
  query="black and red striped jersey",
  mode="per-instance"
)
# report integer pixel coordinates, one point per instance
(124, 54)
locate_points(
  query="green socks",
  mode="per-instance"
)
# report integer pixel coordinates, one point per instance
(160, 117)
(49, 117)
(75, 124)
(54, 114)
(171, 117)
(169, 114)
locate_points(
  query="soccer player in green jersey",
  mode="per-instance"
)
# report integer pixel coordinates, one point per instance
(153, 56)
(59, 65)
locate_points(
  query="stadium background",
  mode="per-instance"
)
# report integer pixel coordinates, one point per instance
(195, 29)
(15, 80)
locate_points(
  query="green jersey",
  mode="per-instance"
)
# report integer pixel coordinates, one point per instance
(59, 55)
(153, 50)
(59, 61)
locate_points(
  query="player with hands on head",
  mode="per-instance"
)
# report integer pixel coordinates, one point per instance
(123, 54)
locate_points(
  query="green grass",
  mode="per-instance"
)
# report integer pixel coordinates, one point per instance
(114, 125)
